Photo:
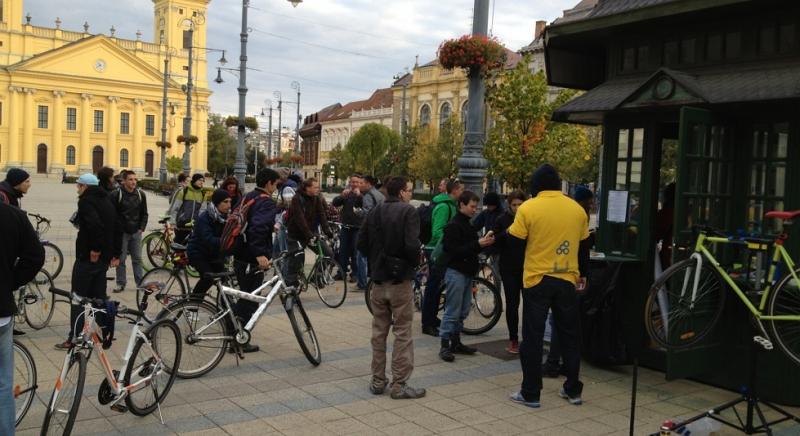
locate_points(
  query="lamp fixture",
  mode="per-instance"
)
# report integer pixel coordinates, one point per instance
(295, 2)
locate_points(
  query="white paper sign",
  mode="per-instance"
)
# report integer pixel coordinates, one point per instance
(617, 211)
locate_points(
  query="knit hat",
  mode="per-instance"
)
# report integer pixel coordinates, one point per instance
(283, 172)
(196, 177)
(15, 176)
(219, 196)
(88, 179)
(545, 178)
(582, 193)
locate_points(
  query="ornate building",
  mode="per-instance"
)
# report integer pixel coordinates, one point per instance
(77, 101)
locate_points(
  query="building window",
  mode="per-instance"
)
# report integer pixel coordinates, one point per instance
(43, 116)
(425, 115)
(150, 125)
(444, 113)
(72, 118)
(70, 155)
(98, 121)
(123, 158)
(125, 123)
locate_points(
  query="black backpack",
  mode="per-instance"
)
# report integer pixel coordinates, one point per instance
(425, 212)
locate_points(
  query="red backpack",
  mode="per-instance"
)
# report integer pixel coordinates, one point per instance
(236, 225)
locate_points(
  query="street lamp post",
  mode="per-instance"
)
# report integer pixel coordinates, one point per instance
(472, 165)
(187, 120)
(162, 170)
(277, 95)
(239, 167)
(268, 103)
(296, 86)
(403, 124)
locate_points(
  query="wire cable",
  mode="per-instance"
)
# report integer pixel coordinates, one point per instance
(325, 47)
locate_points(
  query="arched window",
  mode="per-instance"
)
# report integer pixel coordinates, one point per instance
(70, 155)
(123, 158)
(444, 113)
(424, 115)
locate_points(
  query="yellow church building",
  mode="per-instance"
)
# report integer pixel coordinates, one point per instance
(77, 101)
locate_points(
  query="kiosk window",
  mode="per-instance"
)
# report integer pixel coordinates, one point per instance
(767, 175)
(623, 209)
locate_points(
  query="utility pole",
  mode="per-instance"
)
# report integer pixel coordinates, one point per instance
(472, 165)
(239, 168)
(187, 120)
(296, 85)
(162, 170)
(277, 95)
(269, 134)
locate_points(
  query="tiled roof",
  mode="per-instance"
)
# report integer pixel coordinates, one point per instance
(761, 82)
(614, 7)
(321, 115)
(381, 98)
(405, 80)
(579, 11)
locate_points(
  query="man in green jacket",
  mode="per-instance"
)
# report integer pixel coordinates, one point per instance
(187, 205)
(443, 211)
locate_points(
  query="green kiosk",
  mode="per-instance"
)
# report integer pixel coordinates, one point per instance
(704, 94)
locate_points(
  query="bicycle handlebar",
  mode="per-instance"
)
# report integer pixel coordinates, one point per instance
(77, 299)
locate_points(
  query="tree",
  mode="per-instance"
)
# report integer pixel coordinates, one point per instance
(221, 146)
(338, 163)
(524, 136)
(434, 155)
(368, 146)
(174, 165)
(395, 161)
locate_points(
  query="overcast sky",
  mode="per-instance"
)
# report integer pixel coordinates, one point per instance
(339, 50)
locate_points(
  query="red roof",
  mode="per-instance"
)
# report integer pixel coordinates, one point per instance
(381, 98)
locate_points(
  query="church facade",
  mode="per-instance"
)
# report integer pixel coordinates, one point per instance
(77, 101)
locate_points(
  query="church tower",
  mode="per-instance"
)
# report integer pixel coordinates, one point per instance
(172, 20)
(11, 14)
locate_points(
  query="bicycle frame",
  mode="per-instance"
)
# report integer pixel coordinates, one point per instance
(779, 255)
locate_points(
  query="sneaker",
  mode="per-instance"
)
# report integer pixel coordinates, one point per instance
(246, 348)
(406, 392)
(66, 345)
(458, 348)
(513, 347)
(377, 386)
(574, 400)
(446, 352)
(430, 331)
(119, 289)
(518, 398)
(352, 279)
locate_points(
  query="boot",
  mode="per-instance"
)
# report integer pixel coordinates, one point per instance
(458, 348)
(446, 353)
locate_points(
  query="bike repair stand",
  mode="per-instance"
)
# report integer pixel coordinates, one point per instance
(749, 396)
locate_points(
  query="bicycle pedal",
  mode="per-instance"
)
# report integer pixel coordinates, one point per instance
(121, 408)
(763, 342)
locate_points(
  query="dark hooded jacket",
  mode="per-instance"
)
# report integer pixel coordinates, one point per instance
(97, 225)
(21, 255)
(9, 195)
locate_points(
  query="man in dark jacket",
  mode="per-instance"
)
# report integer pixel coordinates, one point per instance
(131, 205)
(252, 257)
(204, 242)
(462, 246)
(95, 247)
(351, 203)
(306, 215)
(16, 185)
(389, 239)
(21, 257)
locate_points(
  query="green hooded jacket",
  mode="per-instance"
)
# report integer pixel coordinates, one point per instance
(443, 212)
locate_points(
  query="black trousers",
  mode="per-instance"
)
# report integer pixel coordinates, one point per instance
(249, 280)
(88, 280)
(560, 296)
(204, 266)
(347, 250)
(512, 288)
(432, 294)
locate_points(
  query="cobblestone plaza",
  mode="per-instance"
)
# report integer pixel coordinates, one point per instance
(276, 391)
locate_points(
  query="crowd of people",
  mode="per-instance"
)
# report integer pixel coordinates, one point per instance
(539, 243)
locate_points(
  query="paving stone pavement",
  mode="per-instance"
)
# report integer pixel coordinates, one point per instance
(277, 392)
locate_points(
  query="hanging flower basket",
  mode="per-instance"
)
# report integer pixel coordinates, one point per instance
(472, 52)
(191, 139)
(163, 144)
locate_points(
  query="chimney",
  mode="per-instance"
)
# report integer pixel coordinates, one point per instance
(540, 25)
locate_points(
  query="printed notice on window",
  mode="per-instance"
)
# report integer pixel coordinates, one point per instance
(617, 206)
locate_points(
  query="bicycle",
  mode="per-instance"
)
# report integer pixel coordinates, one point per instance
(24, 387)
(147, 370)
(158, 247)
(322, 275)
(686, 300)
(53, 257)
(35, 302)
(208, 330)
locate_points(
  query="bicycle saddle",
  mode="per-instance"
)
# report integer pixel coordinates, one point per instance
(783, 215)
(163, 220)
(177, 247)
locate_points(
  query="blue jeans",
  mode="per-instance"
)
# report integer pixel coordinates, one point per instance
(347, 251)
(363, 273)
(458, 301)
(131, 244)
(8, 411)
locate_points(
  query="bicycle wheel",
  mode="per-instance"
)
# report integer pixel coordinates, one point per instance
(24, 386)
(204, 336)
(53, 259)
(331, 292)
(674, 320)
(174, 288)
(156, 251)
(150, 367)
(785, 301)
(39, 301)
(66, 399)
(303, 330)
(367, 293)
(487, 306)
